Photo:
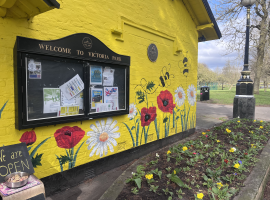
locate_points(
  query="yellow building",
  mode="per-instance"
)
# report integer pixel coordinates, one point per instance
(141, 95)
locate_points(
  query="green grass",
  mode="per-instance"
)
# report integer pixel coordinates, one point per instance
(227, 96)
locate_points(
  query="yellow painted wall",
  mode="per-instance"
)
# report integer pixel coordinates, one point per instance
(165, 23)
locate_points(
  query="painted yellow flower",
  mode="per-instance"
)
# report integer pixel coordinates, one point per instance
(236, 166)
(203, 133)
(228, 130)
(200, 195)
(261, 127)
(168, 152)
(149, 176)
(219, 185)
(185, 148)
(218, 140)
(174, 171)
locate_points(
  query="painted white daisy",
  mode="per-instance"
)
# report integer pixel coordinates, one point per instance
(132, 111)
(191, 93)
(102, 137)
(180, 96)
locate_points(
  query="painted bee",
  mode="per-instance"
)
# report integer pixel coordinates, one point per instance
(165, 77)
(186, 65)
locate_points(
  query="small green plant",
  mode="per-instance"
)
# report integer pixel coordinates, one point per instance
(135, 191)
(153, 188)
(158, 173)
(179, 193)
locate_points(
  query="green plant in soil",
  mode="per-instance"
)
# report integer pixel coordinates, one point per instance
(212, 167)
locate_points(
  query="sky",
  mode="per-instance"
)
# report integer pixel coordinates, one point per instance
(213, 53)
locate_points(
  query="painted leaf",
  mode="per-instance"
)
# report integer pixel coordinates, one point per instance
(165, 119)
(1, 110)
(132, 127)
(150, 85)
(63, 159)
(141, 96)
(35, 150)
(177, 117)
(36, 161)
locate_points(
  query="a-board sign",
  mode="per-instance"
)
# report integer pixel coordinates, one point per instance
(14, 158)
(38, 197)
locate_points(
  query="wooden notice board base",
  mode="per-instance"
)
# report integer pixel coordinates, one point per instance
(26, 194)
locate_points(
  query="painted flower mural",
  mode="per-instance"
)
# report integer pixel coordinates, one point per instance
(165, 104)
(67, 138)
(148, 115)
(191, 93)
(102, 137)
(29, 138)
(165, 101)
(180, 96)
(132, 111)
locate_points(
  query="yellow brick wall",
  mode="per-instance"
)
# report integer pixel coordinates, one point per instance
(165, 23)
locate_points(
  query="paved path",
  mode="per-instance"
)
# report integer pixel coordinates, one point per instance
(207, 116)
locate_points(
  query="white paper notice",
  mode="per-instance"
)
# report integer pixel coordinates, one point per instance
(73, 87)
(108, 76)
(103, 107)
(111, 96)
(51, 100)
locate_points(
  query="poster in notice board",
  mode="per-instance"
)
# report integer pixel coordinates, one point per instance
(14, 158)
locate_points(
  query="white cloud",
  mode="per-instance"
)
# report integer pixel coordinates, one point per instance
(213, 54)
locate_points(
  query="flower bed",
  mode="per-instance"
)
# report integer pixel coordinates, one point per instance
(212, 167)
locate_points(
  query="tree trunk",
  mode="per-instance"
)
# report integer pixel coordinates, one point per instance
(260, 50)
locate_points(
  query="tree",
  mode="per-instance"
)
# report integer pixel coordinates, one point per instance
(205, 75)
(231, 14)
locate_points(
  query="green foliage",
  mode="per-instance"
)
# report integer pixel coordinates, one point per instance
(150, 85)
(158, 173)
(165, 119)
(153, 188)
(36, 161)
(135, 191)
(64, 159)
(140, 96)
(223, 193)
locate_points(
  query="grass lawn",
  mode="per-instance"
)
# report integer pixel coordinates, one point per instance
(227, 96)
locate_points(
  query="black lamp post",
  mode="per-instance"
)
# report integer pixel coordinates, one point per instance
(244, 101)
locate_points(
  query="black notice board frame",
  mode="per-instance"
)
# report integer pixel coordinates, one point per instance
(81, 47)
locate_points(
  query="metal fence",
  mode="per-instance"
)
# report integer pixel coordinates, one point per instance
(213, 86)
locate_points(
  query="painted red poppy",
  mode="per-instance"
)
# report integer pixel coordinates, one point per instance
(165, 101)
(226, 161)
(29, 137)
(68, 137)
(148, 115)
(246, 153)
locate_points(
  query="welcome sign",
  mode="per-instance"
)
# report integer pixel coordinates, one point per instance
(14, 158)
